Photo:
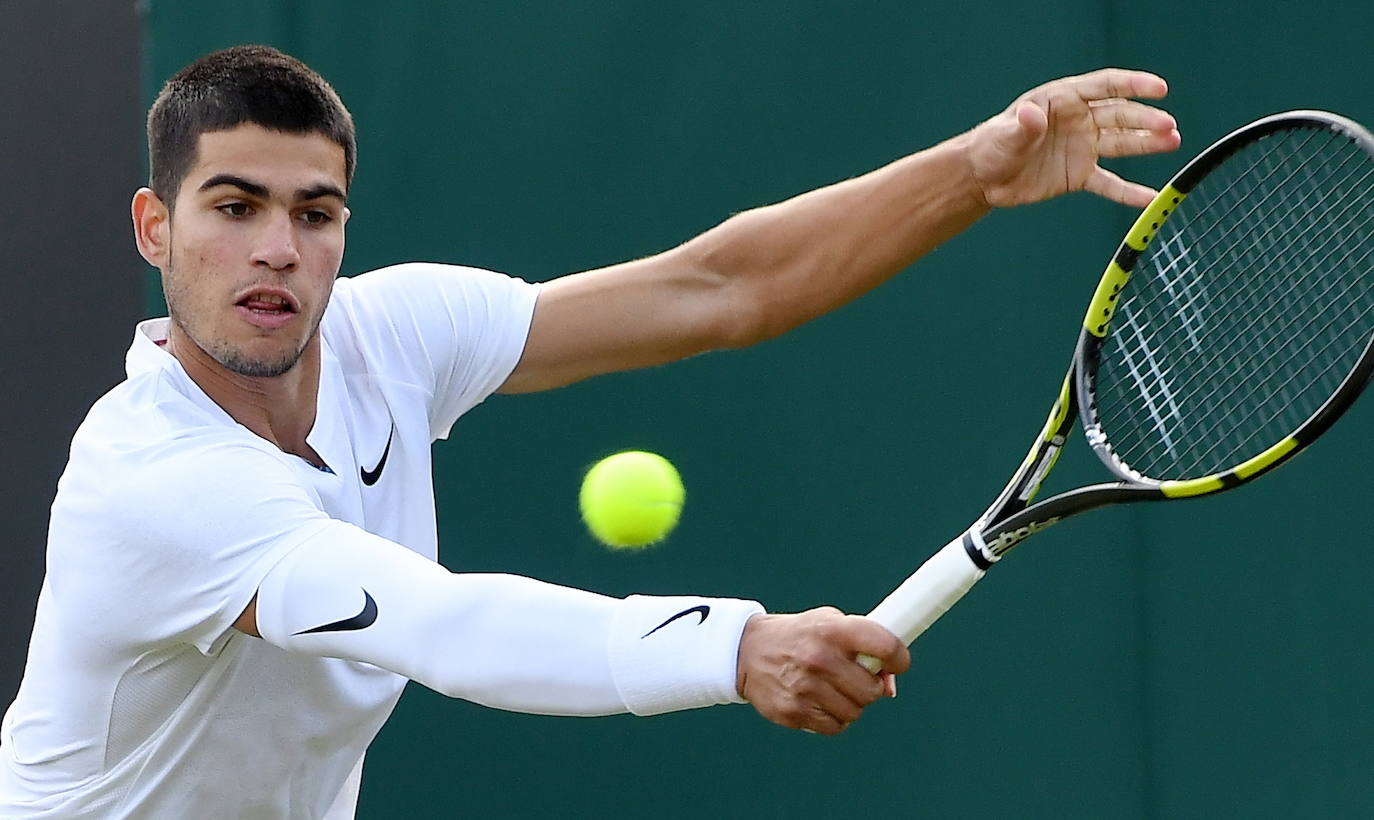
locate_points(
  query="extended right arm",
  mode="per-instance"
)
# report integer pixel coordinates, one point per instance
(516, 643)
(499, 640)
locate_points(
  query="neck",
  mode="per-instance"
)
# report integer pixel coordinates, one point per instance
(280, 409)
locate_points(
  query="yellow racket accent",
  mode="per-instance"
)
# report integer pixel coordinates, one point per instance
(1212, 483)
(1193, 486)
(1058, 413)
(1266, 458)
(1103, 305)
(1050, 444)
(1147, 224)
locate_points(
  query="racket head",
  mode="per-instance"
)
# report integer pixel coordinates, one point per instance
(1234, 324)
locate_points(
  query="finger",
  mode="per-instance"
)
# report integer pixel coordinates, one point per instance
(1023, 130)
(858, 685)
(820, 722)
(1032, 120)
(1117, 82)
(1126, 115)
(1110, 186)
(818, 717)
(835, 706)
(1134, 142)
(842, 688)
(872, 638)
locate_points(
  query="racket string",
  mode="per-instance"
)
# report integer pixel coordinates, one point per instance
(1246, 312)
(1183, 253)
(1140, 337)
(1288, 397)
(1288, 389)
(1264, 365)
(1204, 423)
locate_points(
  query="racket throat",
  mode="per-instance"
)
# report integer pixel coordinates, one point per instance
(977, 550)
(1048, 457)
(993, 548)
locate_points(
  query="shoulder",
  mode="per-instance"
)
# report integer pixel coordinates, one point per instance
(172, 501)
(163, 524)
(155, 419)
(419, 283)
(420, 320)
(147, 445)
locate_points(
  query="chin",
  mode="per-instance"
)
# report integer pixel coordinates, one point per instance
(258, 367)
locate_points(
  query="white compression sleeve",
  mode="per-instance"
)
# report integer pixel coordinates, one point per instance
(499, 640)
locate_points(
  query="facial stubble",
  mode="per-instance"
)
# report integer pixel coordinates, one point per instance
(223, 352)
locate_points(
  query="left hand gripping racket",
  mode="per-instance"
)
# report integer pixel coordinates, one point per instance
(1233, 326)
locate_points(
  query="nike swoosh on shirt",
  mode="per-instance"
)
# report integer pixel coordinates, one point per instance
(362, 620)
(370, 476)
(703, 610)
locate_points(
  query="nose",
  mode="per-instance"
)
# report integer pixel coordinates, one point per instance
(276, 244)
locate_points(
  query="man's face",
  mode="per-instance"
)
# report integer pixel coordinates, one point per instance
(256, 239)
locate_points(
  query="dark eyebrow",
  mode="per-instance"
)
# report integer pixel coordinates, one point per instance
(260, 191)
(318, 191)
(250, 188)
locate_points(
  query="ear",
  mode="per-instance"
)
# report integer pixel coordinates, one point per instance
(346, 214)
(152, 228)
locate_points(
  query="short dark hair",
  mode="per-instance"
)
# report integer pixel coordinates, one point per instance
(243, 84)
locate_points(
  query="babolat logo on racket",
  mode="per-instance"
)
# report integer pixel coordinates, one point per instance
(1011, 538)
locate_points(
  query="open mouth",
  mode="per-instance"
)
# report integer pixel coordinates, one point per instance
(270, 304)
(268, 310)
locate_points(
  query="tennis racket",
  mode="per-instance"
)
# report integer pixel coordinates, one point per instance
(1230, 330)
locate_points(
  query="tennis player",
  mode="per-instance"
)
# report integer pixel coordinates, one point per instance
(241, 565)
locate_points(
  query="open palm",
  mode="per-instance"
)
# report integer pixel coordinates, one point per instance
(1049, 140)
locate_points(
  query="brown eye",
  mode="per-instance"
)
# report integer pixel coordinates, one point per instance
(233, 209)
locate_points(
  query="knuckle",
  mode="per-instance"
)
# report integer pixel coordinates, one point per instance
(812, 659)
(806, 691)
(795, 712)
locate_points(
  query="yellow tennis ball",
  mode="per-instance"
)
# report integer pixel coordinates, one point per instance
(631, 499)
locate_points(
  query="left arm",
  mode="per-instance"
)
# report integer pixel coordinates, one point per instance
(768, 270)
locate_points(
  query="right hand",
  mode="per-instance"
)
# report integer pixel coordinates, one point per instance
(802, 671)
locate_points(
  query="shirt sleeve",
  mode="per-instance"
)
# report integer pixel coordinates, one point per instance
(173, 551)
(500, 640)
(455, 332)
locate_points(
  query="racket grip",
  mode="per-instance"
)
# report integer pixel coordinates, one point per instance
(927, 594)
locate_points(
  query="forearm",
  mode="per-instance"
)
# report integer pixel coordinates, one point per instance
(765, 271)
(499, 640)
(805, 256)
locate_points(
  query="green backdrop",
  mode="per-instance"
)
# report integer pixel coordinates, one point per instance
(1204, 660)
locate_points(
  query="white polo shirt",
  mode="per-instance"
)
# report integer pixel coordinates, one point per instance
(139, 698)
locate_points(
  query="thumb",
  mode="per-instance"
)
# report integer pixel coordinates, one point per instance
(1031, 124)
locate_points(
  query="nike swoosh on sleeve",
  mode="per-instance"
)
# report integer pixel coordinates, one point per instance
(362, 620)
(703, 610)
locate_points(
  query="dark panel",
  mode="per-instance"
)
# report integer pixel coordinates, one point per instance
(72, 140)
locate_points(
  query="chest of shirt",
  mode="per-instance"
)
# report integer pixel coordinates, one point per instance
(374, 439)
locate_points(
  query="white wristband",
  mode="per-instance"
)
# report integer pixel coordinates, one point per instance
(671, 653)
